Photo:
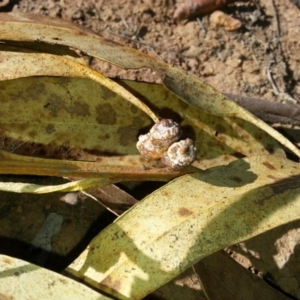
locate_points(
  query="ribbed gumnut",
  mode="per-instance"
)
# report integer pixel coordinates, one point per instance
(160, 137)
(180, 154)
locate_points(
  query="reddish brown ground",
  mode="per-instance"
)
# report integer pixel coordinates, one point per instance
(232, 62)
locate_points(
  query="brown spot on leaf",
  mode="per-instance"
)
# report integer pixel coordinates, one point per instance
(273, 177)
(127, 135)
(107, 94)
(19, 96)
(54, 104)
(80, 109)
(64, 81)
(131, 161)
(184, 212)
(50, 128)
(142, 159)
(33, 92)
(166, 194)
(103, 137)
(133, 109)
(32, 134)
(82, 33)
(269, 166)
(138, 122)
(63, 281)
(106, 114)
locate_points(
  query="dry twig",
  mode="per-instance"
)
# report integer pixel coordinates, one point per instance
(270, 111)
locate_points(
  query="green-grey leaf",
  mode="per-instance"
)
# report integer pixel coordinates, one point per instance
(188, 219)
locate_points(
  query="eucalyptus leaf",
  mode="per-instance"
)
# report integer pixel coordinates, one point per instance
(42, 64)
(22, 280)
(189, 218)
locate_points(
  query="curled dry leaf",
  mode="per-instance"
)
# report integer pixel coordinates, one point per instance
(220, 18)
(192, 8)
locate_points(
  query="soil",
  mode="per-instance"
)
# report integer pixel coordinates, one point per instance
(232, 62)
(242, 62)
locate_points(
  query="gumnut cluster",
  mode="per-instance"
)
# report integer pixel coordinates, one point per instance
(162, 142)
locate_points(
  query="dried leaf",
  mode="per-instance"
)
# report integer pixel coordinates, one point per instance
(184, 221)
(21, 280)
(58, 111)
(120, 168)
(43, 64)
